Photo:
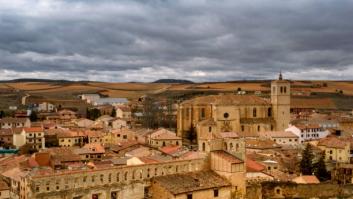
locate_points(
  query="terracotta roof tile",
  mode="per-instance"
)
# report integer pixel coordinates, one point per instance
(188, 182)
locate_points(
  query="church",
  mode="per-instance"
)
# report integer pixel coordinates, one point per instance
(236, 113)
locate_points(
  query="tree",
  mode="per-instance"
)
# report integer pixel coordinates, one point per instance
(320, 170)
(113, 114)
(306, 164)
(33, 117)
(150, 113)
(93, 114)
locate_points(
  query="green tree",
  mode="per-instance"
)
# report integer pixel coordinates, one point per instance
(320, 170)
(33, 117)
(93, 114)
(306, 164)
(113, 114)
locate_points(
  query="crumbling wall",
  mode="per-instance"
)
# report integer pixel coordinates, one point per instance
(290, 190)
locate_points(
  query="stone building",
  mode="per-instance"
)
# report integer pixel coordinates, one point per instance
(237, 113)
(202, 185)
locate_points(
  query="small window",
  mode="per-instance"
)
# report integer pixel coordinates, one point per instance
(285, 89)
(203, 113)
(226, 115)
(124, 136)
(215, 193)
(210, 129)
(258, 128)
(269, 112)
(242, 128)
(254, 112)
(189, 196)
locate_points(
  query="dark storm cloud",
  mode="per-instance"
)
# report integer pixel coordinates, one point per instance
(201, 40)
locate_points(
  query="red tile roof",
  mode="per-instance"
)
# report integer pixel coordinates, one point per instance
(253, 166)
(33, 129)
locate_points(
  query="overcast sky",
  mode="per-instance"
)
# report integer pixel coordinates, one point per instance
(199, 40)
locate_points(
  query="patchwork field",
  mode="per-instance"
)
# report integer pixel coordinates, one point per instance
(11, 92)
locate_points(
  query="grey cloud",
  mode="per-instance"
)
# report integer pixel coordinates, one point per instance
(201, 40)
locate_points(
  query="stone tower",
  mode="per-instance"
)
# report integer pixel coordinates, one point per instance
(280, 100)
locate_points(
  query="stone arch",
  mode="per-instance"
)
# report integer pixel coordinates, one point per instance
(126, 175)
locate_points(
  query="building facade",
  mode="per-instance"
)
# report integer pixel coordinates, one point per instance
(237, 113)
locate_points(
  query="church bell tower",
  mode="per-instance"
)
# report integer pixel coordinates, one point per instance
(280, 100)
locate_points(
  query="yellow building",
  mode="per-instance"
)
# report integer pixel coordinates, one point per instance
(71, 138)
(336, 150)
(237, 113)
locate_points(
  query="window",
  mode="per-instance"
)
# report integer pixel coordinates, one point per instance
(189, 196)
(242, 128)
(210, 129)
(285, 89)
(124, 136)
(281, 89)
(215, 193)
(269, 112)
(203, 146)
(254, 112)
(118, 135)
(258, 128)
(226, 115)
(203, 113)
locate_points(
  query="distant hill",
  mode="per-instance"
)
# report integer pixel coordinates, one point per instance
(174, 81)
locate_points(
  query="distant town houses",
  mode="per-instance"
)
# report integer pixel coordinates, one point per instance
(96, 100)
(245, 145)
(9, 122)
(285, 138)
(308, 132)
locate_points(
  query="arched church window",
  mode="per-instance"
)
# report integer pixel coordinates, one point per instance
(285, 89)
(237, 147)
(231, 146)
(242, 128)
(210, 129)
(254, 112)
(281, 89)
(258, 128)
(203, 146)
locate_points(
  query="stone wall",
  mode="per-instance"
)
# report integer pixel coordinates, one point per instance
(84, 183)
(291, 190)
